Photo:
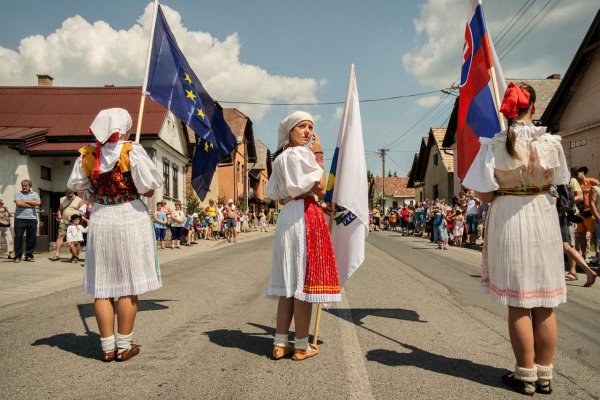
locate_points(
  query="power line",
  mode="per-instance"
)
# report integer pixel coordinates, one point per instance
(427, 113)
(531, 28)
(328, 103)
(524, 27)
(502, 35)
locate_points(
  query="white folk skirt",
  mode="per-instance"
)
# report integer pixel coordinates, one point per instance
(121, 257)
(523, 255)
(288, 260)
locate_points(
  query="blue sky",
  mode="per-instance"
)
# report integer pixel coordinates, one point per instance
(294, 51)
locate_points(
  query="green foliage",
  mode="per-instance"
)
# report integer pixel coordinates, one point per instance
(193, 202)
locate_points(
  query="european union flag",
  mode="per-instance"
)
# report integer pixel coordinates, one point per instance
(173, 84)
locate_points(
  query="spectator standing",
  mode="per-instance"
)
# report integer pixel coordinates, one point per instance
(595, 208)
(177, 220)
(69, 205)
(75, 237)
(377, 217)
(211, 213)
(262, 221)
(231, 221)
(587, 225)
(159, 220)
(472, 217)
(6, 238)
(26, 202)
(458, 227)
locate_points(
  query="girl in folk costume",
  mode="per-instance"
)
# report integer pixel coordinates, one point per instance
(303, 263)
(121, 260)
(522, 256)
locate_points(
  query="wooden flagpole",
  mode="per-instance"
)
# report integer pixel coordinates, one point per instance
(138, 130)
(320, 306)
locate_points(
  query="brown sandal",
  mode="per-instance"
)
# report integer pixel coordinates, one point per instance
(54, 258)
(280, 352)
(590, 282)
(109, 356)
(127, 354)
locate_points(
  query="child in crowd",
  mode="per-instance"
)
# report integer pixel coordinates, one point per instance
(75, 237)
(215, 229)
(458, 229)
(439, 227)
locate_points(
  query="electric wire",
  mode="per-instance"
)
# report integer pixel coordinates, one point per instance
(522, 29)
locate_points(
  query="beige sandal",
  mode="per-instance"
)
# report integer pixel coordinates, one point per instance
(300, 355)
(280, 352)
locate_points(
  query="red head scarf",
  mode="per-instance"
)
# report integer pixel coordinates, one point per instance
(515, 98)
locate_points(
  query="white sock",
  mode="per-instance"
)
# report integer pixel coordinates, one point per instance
(526, 374)
(280, 340)
(301, 344)
(124, 342)
(108, 344)
(544, 373)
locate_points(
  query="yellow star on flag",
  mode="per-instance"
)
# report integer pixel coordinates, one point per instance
(206, 146)
(200, 112)
(190, 95)
(211, 146)
(187, 79)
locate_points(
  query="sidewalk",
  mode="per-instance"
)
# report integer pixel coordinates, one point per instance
(27, 280)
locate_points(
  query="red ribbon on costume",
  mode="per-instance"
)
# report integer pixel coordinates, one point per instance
(112, 138)
(515, 98)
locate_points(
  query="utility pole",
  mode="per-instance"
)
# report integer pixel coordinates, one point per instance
(382, 154)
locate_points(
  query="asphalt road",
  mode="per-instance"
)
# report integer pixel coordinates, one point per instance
(412, 326)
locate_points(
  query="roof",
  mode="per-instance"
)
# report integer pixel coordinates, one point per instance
(396, 187)
(413, 170)
(69, 111)
(241, 126)
(544, 90)
(438, 135)
(263, 156)
(575, 73)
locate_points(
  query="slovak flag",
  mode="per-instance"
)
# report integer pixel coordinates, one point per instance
(477, 109)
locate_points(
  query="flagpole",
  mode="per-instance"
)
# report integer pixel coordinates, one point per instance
(138, 129)
(494, 83)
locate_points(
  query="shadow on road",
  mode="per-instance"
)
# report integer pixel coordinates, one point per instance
(259, 343)
(86, 345)
(457, 367)
(356, 315)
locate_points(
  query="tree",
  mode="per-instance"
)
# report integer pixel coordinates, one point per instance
(389, 173)
(192, 201)
(395, 174)
(369, 175)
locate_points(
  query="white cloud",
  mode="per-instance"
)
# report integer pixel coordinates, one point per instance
(339, 111)
(80, 53)
(442, 21)
(428, 101)
(546, 50)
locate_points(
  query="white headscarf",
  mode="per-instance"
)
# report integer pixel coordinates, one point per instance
(287, 124)
(110, 121)
(106, 123)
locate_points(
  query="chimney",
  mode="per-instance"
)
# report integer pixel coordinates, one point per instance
(45, 80)
(554, 76)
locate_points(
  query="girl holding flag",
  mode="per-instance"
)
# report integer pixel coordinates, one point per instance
(522, 258)
(303, 267)
(121, 260)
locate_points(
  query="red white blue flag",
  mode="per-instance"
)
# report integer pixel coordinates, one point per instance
(477, 108)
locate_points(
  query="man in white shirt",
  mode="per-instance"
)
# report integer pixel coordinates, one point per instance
(472, 217)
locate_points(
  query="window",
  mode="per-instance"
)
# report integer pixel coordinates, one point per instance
(436, 192)
(435, 160)
(175, 186)
(395, 204)
(166, 177)
(46, 173)
(239, 171)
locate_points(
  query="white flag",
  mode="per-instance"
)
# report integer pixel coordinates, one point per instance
(347, 186)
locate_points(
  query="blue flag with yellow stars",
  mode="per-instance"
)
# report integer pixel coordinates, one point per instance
(173, 84)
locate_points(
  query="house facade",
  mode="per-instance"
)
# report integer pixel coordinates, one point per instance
(573, 112)
(396, 192)
(233, 171)
(43, 127)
